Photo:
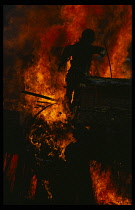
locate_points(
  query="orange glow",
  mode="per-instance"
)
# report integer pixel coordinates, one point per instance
(34, 36)
(5, 161)
(62, 144)
(42, 78)
(105, 191)
(47, 188)
(11, 172)
(32, 189)
(56, 136)
(36, 47)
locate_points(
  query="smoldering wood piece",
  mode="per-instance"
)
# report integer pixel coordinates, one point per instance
(39, 105)
(43, 110)
(38, 95)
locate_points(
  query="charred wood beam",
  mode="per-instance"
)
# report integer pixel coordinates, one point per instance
(42, 102)
(38, 105)
(38, 95)
(43, 109)
(103, 81)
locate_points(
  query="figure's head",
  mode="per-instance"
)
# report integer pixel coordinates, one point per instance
(88, 35)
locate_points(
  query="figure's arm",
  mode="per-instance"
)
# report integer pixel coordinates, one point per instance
(101, 51)
(64, 57)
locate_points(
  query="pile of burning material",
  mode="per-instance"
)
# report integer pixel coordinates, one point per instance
(57, 136)
(35, 159)
(41, 167)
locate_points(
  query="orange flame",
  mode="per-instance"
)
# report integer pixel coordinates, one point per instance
(11, 171)
(29, 41)
(33, 186)
(31, 32)
(105, 191)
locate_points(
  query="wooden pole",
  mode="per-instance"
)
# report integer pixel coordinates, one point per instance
(108, 59)
(38, 95)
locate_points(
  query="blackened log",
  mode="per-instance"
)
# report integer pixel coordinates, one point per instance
(38, 95)
(38, 105)
(43, 110)
(104, 81)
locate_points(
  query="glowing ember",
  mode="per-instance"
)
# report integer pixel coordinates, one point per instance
(11, 172)
(54, 138)
(5, 161)
(32, 189)
(46, 185)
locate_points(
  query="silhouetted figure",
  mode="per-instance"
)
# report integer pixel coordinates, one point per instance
(81, 53)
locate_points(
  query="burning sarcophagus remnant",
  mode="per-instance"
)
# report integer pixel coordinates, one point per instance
(105, 96)
(105, 105)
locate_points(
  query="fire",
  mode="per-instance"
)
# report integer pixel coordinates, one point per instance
(35, 60)
(53, 136)
(46, 185)
(104, 188)
(34, 36)
(32, 189)
(11, 170)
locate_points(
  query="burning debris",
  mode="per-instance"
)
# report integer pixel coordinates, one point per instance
(34, 37)
(38, 95)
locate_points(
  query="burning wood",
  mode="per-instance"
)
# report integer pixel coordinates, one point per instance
(43, 109)
(38, 95)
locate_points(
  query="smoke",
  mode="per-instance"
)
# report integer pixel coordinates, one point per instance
(34, 35)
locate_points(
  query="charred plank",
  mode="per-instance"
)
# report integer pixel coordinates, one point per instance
(38, 95)
(43, 110)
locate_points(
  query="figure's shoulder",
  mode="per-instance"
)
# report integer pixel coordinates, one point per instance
(68, 48)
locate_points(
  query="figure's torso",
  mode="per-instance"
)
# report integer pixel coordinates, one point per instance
(82, 55)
